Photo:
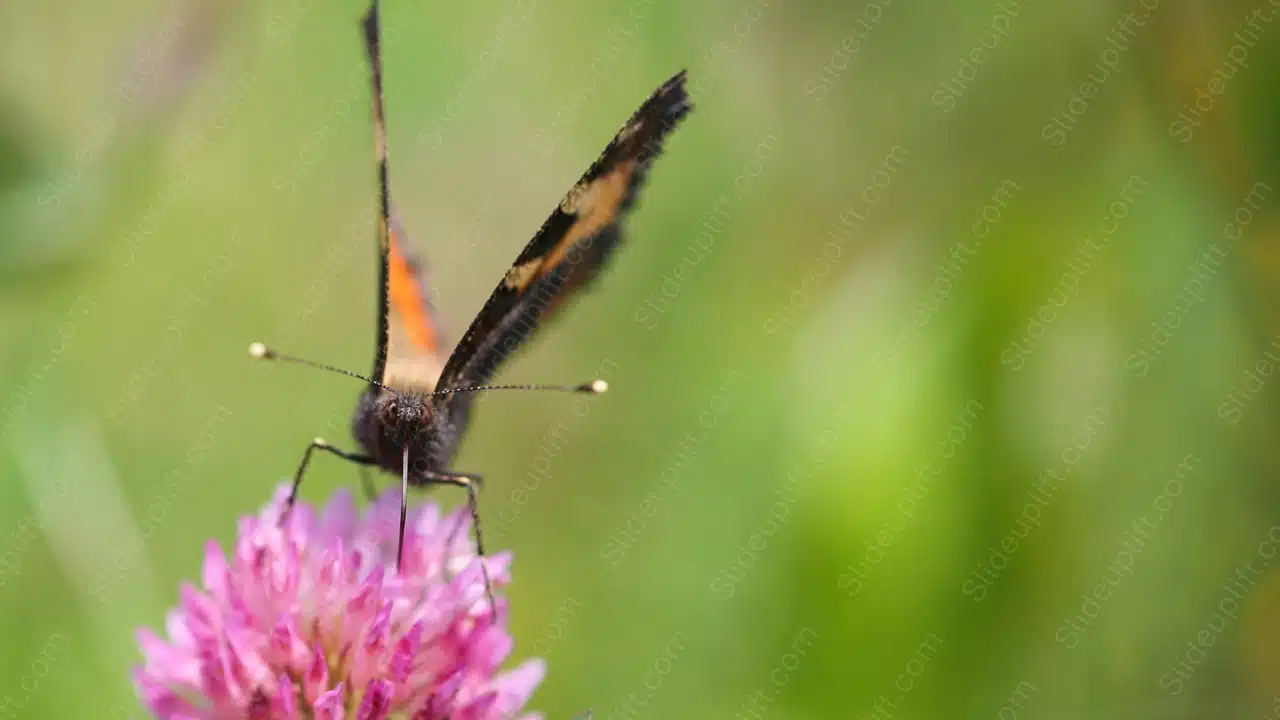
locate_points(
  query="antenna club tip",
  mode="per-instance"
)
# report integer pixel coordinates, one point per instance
(258, 350)
(598, 386)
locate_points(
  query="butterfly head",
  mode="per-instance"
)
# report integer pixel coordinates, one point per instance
(402, 413)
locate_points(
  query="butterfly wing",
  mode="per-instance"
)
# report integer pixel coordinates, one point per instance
(414, 355)
(408, 353)
(573, 244)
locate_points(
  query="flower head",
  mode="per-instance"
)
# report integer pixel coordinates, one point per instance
(309, 618)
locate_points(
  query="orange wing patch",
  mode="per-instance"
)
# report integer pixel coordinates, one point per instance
(408, 299)
(413, 341)
(596, 205)
(596, 208)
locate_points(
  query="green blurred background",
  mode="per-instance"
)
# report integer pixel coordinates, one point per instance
(941, 372)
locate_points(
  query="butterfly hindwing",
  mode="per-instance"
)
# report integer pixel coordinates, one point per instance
(572, 245)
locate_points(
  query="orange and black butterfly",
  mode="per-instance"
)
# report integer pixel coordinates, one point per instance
(410, 418)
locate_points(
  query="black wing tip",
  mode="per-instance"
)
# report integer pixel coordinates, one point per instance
(369, 23)
(671, 99)
(660, 114)
(676, 83)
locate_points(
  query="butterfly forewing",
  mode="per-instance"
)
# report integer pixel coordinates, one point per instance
(408, 354)
(572, 245)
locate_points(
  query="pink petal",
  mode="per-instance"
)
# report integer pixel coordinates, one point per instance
(317, 677)
(468, 585)
(515, 687)
(377, 701)
(424, 521)
(499, 566)
(379, 634)
(284, 576)
(213, 674)
(329, 706)
(155, 650)
(331, 565)
(373, 647)
(247, 666)
(482, 706)
(286, 705)
(278, 502)
(259, 706)
(161, 700)
(363, 604)
(382, 518)
(407, 649)
(175, 623)
(489, 647)
(445, 691)
(201, 613)
(215, 575)
(340, 517)
(287, 647)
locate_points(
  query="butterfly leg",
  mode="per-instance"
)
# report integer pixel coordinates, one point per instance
(471, 483)
(320, 444)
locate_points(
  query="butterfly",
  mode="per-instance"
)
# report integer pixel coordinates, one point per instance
(411, 416)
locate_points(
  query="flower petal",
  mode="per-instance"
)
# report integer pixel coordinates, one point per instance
(215, 575)
(286, 705)
(340, 517)
(515, 687)
(377, 701)
(329, 706)
(317, 678)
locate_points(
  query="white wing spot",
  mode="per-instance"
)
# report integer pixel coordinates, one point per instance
(581, 199)
(519, 276)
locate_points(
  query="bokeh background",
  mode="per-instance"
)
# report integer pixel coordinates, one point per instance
(941, 353)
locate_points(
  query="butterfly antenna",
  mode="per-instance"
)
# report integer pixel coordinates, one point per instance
(595, 387)
(262, 352)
